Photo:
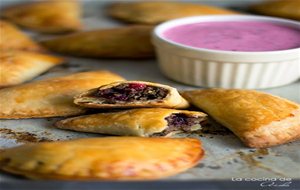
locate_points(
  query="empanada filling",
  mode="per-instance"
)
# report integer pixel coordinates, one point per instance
(130, 92)
(180, 122)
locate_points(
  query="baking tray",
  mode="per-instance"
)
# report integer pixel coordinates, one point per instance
(226, 157)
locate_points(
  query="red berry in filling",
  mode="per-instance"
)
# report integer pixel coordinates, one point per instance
(137, 86)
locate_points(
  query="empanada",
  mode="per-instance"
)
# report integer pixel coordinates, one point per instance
(145, 122)
(13, 39)
(131, 94)
(51, 97)
(123, 42)
(50, 16)
(258, 119)
(17, 67)
(110, 158)
(157, 12)
(280, 8)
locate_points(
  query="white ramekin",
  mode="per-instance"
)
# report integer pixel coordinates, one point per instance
(225, 69)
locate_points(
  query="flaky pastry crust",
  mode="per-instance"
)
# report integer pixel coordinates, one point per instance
(136, 122)
(50, 16)
(111, 158)
(258, 119)
(17, 67)
(157, 12)
(51, 97)
(122, 42)
(14, 39)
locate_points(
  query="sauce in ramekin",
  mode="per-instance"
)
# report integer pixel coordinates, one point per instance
(247, 36)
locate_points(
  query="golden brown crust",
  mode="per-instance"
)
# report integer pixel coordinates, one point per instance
(113, 158)
(13, 39)
(157, 12)
(17, 67)
(172, 100)
(63, 16)
(136, 122)
(123, 42)
(51, 97)
(259, 119)
(280, 8)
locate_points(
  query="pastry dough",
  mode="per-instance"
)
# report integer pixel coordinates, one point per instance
(51, 97)
(50, 16)
(13, 39)
(123, 42)
(144, 122)
(110, 158)
(19, 66)
(157, 12)
(168, 96)
(280, 8)
(257, 118)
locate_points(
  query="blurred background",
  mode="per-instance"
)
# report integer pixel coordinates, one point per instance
(236, 4)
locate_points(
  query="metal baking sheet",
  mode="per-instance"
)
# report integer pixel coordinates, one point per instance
(226, 157)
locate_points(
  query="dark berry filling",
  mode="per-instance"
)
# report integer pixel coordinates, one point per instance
(131, 92)
(183, 123)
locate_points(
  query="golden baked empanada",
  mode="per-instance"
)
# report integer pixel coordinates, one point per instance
(17, 67)
(123, 42)
(280, 8)
(51, 97)
(258, 119)
(131, 94)
(50, 16)
(13, 39)
(157, 12)
(145, 122)
(110, 158)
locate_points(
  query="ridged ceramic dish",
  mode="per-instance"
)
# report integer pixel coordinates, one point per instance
(226, 69)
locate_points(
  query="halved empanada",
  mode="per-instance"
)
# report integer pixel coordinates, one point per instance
(13, 39)
(51, 97)
(131, 94)
(280, 8)
(123, 42)
(50, 16)
(145, 122)
(257, 118)
(110, 158)
(17, 67)
(157, 12)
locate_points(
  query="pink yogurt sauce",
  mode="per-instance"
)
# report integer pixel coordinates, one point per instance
(248, 36)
